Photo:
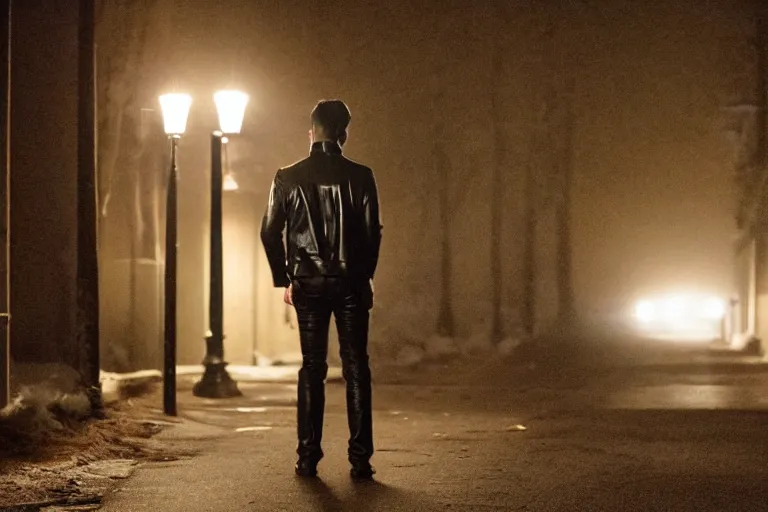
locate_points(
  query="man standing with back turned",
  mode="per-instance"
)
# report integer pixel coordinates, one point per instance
(329, 208)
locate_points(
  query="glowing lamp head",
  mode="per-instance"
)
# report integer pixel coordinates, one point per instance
(175, 109)
(231, 108)
(229, 184)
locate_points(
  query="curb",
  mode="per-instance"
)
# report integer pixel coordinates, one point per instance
(119, 386)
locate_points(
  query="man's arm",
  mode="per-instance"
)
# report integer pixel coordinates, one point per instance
(272, 226)
(372, 223)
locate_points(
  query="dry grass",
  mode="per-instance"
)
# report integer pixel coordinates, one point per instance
(45, 433)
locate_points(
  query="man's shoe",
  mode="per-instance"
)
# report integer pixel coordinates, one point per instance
(306, 468)
(362, 472)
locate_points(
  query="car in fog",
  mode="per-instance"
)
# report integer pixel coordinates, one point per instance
(697, 317)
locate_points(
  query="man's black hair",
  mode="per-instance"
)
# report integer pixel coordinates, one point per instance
(334, 117)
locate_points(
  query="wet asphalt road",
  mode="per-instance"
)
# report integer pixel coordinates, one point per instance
(636, 427)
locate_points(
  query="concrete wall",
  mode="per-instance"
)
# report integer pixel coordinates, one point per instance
(239, 239)
(43, 180)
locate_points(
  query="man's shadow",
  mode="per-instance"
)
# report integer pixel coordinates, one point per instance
(365, 495)
(320, 495)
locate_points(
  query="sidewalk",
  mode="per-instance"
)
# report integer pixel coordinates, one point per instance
(247, 451)
(616, 434)
(116, 386)
(63, 459)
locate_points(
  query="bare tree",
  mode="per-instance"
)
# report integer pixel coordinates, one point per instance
(446, 322)
(128, 179)
(119, 49)
(497, 179)
(565, 295)
(539, 147)
(547, 185)
(528, 302)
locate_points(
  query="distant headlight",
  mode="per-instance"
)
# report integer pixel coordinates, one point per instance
(680, 317)
(678, 308)
(645, 311)
(714, 309)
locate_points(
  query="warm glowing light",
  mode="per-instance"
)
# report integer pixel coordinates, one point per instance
(175, 109)
(682, 316)
(675, 306)
(231, 108)
(230, 183)
(714, 309)
(644, 311)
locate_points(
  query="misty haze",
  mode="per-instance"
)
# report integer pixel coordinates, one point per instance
(569, 300)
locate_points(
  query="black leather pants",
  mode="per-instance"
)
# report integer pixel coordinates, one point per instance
(349, 301)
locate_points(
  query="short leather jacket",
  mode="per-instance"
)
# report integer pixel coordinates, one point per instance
(328, 206)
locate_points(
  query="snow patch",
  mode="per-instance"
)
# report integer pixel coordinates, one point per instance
(479, 342)
(746, 342)
(508, 345)
(116, 386)
(410, 356)
(439, 346)
(40, 409)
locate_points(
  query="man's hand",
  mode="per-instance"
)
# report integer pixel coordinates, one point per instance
(288, 295)
(370, 282)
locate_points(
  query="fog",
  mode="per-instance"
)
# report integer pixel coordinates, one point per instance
(652, 197)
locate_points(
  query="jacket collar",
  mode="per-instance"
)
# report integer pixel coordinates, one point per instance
(328, 147)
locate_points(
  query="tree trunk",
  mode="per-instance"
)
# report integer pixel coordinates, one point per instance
(564, 247)
(446, 323)
(761, 25)
(446, 320)
(528, 306)
(497, 183)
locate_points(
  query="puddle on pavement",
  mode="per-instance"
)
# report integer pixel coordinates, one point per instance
(253, 429)
(684, 396)
(244, 409)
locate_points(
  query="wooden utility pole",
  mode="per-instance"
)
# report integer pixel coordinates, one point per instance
(5, 201)
(87, 205)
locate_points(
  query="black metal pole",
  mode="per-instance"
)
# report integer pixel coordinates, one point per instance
(169, 345)
(216, 381)
(87, 204)
(5, 86)
(216, 302)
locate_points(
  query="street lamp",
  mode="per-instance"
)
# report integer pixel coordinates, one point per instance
(216, 381)
(230, 183)
(175, 109)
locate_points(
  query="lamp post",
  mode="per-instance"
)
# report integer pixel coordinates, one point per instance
(216, 381)
(230, 183)
(175, 112)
